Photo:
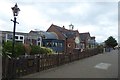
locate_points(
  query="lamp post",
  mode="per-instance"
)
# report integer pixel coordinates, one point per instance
(15, 10)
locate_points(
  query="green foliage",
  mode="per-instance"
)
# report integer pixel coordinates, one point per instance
(35, 50)
(7, 49)
(111, 42)
(40, 50)
(19, 49)
(100, 48)
(45, 50)
(49, 51)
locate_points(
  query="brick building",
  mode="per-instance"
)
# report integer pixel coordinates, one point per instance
(70, 37)
(87, 41)
(85, 38)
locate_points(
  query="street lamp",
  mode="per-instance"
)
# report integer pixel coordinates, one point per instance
(15, 10)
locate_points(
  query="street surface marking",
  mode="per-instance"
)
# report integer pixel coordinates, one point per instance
(102, 66)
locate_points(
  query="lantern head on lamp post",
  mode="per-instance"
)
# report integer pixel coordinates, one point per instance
(15, 10)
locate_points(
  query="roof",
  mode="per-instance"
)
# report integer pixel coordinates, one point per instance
(84, 36)
(93, 37)
(47, 35)
(10, 32)
(50, 35)
(65, 32)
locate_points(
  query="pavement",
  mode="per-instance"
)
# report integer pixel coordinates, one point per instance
(103, 65)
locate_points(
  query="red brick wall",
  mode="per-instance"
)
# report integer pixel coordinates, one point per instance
(70, 45)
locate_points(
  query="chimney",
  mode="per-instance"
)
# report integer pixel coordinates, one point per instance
(64, 27)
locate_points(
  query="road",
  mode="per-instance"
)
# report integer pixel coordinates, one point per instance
(99, 66)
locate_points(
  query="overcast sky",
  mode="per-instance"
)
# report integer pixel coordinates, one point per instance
(99, 17)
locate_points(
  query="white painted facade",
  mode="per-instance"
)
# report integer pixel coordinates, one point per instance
(18, 38)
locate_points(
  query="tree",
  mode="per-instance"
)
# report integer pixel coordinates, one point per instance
(111, 42)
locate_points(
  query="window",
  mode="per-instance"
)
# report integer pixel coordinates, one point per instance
(38, 43)
(16, 37)
(54, 44)
(49, 44)
(60, 44)
(9, 36)
(21, 37)
(69, 45)
(39, 39)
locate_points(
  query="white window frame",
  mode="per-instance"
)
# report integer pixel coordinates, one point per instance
(16, 39)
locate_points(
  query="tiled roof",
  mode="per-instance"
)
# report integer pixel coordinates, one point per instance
(84, 36)
(65, 32)
(48, 35)
(93, 37)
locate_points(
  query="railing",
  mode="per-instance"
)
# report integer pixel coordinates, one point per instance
(17, 67)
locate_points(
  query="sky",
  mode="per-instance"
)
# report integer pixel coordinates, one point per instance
(98, 17)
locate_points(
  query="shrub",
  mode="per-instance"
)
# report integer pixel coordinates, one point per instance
(100, 48)
(7, 49)
(40, 50)
(35, 50)
(49, 51)
(45, 50)
(19, 49)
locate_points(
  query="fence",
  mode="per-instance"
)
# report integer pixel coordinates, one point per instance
(17, 67)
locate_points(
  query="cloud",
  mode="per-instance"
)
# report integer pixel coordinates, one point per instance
(53, 11)
(97, 17)
(79, 9)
